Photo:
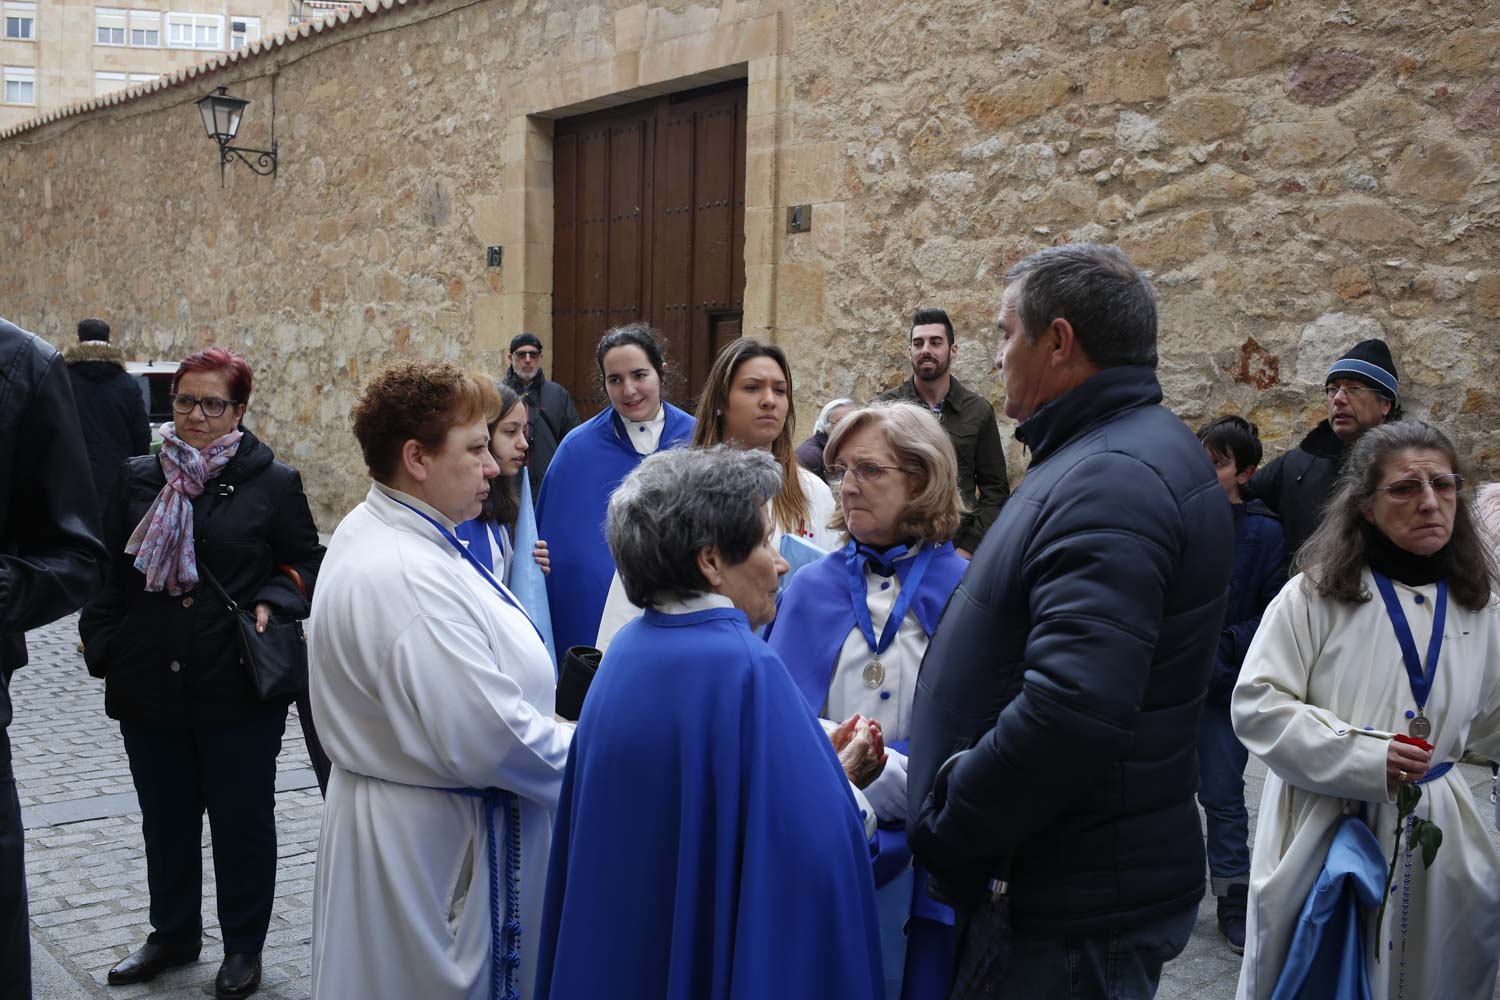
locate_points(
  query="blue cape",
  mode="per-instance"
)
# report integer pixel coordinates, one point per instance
(589, 464)
(1327, 958)
(706, 845)
(814, 616)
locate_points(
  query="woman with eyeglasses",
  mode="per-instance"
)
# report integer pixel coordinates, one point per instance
(213, 507)
(1372, 672)
(747, 404)
(852, 630)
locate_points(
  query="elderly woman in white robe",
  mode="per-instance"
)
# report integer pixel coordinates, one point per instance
(1325, 689)
(433, 693)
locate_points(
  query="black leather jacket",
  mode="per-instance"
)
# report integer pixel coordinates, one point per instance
(174, 661)
(51, 560)
(1071, 665)
(1297, 483)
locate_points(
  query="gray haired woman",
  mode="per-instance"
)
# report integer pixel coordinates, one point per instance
(1372, 670)
(702, 796)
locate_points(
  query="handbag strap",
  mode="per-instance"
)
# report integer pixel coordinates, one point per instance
(209, 576)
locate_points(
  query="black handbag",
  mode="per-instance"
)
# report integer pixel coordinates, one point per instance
(276, 658)
(577, 673)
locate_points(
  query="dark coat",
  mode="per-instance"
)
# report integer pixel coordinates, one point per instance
(1071, 664)
(810, 453)
(1258, 575)
(1296, 484)
(551, 412)
(51, 560)
(983, 480)
(111, 411)
(174, 661)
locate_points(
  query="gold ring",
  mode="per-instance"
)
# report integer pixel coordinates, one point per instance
(1402, 775)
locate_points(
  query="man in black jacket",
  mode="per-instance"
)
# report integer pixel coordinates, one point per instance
(968, 418)
(549, 408)
(51, 561)
(111, 409)
(1362, 389)
(1053, 766)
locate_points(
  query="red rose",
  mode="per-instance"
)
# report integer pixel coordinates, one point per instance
(1413, 741)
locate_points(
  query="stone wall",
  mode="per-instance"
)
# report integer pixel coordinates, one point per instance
(1295, 175)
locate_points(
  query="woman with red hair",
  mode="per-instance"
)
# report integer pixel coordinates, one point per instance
(213, 510)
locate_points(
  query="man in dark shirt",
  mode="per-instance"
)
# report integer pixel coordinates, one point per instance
(111, 409)
(549, 407)
(968, 418)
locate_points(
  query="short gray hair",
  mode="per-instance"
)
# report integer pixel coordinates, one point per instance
(679, 502)
(829, 408)
(1110, 305)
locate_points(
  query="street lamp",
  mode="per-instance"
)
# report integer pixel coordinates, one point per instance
(221, 120)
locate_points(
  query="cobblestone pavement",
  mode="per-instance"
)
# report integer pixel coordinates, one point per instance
(87, 870)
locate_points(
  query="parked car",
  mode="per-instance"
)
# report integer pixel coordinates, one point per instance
(155, 380)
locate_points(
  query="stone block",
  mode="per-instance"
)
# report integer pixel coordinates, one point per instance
(808, 173)
(1200, 117)
(1130, 75)
(1287, 144)
(1481, 109)
(1185, 20)
(630, 27)
(1487, 295)
(1328, 76)
(800, 294)
(1214, 183)
(1017, 101)
(1066, 201)
(1325, 339)
(1468, 50)
(488, 330)
(1351, 282)
(1138, 133)
(1247, 52)
(827, 231)
(1170, 243)
(1434, 170)
(1366, 222)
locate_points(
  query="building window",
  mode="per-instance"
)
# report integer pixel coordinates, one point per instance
(243, 31)
(105, 83)
(194, 31)
(20, 21)
(109, 26)
(20, 84)
(145, 29)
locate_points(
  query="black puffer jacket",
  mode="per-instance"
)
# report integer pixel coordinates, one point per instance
(174, 661)
(551, 413)
(50, 557)
(110, 410)
(1071, 664)
(1296, 484)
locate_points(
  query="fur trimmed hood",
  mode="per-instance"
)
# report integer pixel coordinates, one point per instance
(1487, 507)
(93, 350)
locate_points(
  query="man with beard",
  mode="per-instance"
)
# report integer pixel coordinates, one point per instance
(968, 418)
(1362, 389)
(549, 407)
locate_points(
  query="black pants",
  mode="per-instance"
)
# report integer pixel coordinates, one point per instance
(230, 771)
(15, 941)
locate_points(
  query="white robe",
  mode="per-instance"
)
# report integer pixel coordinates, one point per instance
(1322, 690)
(619, 612)
(422, 678)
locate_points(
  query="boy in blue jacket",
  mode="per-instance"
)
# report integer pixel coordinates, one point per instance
(1233, 444)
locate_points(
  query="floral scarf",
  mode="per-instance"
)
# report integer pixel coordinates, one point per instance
(163, 542)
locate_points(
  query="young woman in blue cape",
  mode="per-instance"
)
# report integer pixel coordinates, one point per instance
(852, 629)
(491, 535)
(707, 845)
(589, 464)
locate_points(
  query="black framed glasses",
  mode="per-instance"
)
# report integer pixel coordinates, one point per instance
(865, 473)
(212, 406)
(1403, 490)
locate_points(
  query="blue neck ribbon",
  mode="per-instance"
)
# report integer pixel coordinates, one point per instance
(854, 559)
(1420, 679)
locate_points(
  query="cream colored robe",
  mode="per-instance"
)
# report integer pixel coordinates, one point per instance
(422, 679)
(1322, 690)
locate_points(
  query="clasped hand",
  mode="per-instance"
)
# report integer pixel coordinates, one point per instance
(861, 749)
(1405, 763)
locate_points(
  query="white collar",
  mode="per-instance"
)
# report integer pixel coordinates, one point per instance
(412, 501)
(698, 602)
(656, 421)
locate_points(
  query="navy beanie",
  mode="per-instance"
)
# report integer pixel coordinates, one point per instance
(521, 340)
(1370, 362)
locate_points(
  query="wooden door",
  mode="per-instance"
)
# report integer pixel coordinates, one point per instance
(650, 225)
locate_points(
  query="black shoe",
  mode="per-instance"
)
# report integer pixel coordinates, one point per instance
(1232, 917)
(239, 976)
(147, 961)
